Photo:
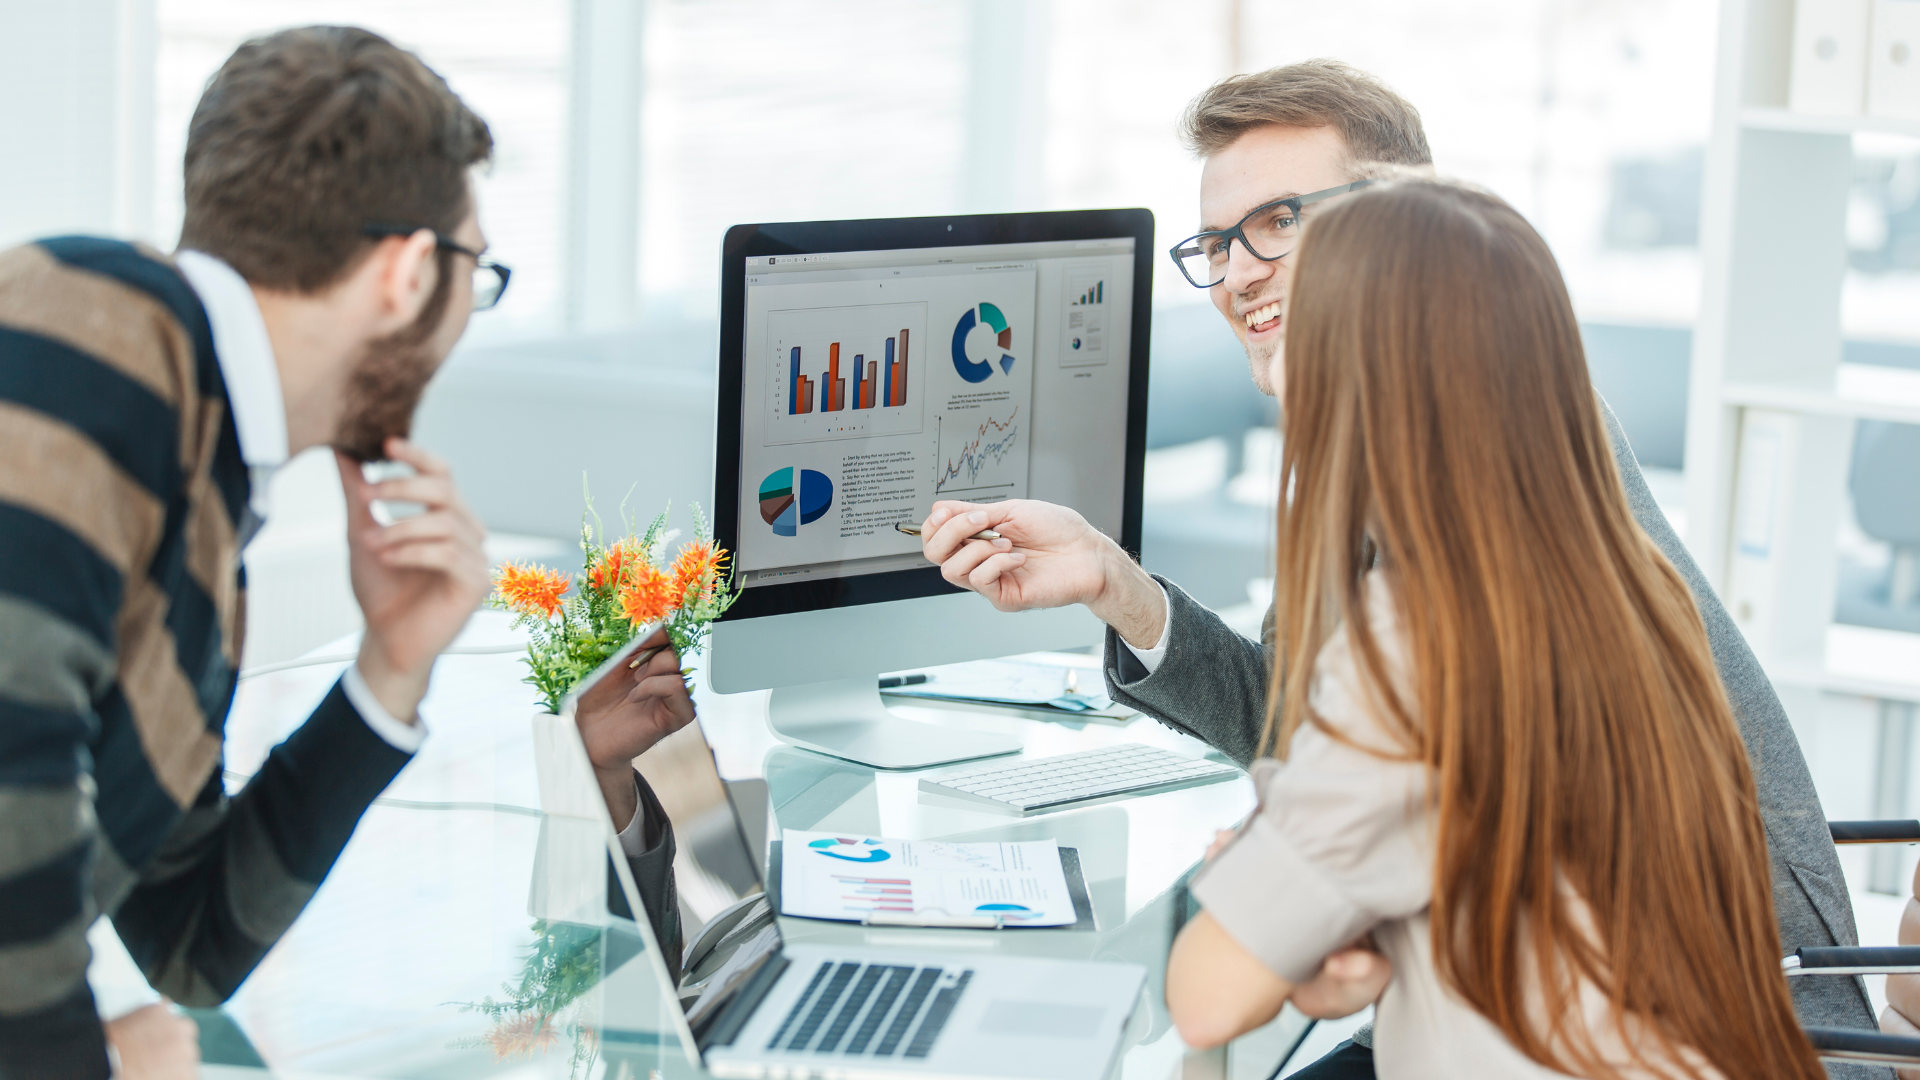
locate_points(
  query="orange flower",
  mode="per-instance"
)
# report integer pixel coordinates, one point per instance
(530, 589)
(647, 594)
(613, 567)
(698, 570)
(520, 1035)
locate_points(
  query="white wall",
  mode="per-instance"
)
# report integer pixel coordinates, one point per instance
(76, 129)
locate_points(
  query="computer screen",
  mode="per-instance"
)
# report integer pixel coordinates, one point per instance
(875, 381)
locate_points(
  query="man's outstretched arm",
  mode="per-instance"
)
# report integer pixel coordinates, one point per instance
(1210, 682)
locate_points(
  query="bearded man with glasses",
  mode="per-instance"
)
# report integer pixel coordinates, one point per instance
(1276, 144)
(330, 255)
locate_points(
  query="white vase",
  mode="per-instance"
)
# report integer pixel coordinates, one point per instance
(570, 860)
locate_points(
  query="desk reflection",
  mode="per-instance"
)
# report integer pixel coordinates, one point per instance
(433, 909)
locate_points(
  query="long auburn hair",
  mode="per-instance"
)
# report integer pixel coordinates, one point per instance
(1440, 423)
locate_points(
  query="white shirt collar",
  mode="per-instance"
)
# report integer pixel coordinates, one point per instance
(246, 357)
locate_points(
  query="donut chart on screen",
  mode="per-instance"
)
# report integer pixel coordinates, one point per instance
(973, 370)
(790, 498)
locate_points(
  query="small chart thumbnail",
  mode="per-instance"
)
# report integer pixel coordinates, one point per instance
(1083, 338)
(845, 372)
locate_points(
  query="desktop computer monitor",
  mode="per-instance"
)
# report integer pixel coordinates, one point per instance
(871, 368)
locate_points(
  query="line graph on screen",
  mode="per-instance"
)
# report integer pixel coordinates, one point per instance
(971, 466)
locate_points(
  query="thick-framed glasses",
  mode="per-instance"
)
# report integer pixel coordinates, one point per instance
(1270, 231)
(489, 278)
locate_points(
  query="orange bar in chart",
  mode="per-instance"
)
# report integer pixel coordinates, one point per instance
(836, 399)
(900, 373)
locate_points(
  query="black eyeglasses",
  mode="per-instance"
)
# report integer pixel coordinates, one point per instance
(489, 277)
(1270, 231)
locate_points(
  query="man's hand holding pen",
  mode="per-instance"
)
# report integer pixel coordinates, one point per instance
(1045, 556)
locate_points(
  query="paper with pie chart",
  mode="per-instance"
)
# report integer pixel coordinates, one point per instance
(849, 877)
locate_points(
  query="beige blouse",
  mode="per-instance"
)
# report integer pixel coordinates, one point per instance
(1342, 843)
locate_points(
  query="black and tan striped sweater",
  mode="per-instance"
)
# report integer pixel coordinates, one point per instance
(122, 606)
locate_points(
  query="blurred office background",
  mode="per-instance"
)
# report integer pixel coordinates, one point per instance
(631, 133)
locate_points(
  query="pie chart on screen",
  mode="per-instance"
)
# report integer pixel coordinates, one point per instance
(996, 337)
(790, 498)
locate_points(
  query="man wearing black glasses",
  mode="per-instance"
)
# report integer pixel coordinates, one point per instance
(329, 259)
(1278, 144)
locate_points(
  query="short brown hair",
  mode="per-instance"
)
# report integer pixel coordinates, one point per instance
(306, 137)
(1377, 124)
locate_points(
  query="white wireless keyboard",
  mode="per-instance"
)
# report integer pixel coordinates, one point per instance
(1030, 784)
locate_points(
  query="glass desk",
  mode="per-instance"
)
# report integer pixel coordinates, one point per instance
(430, 914)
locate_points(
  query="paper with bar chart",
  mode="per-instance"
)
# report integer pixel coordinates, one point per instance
(845, 372)
(831, 876)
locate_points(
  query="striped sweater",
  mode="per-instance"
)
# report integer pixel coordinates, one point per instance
(122, 608)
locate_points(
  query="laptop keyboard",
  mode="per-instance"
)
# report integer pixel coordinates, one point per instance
(872, 1009)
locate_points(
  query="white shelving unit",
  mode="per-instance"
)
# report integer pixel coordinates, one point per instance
(1772, 408)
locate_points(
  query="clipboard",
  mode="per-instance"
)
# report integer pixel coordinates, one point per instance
(1069, 866)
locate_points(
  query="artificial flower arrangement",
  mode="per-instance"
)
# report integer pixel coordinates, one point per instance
(576, 622)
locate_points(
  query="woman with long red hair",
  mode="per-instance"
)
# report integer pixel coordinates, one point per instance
(1499, 744)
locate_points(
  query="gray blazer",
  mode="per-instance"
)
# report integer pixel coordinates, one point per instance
(1213, 686)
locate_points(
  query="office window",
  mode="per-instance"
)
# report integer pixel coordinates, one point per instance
(801, 110)
(506, 58)
(1546, 103)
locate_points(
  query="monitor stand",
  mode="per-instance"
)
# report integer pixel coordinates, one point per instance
(846, 719)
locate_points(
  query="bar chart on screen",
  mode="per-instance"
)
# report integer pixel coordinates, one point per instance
(981, 458)
(845, 372)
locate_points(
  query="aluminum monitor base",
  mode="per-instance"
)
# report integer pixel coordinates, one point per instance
(846, 719)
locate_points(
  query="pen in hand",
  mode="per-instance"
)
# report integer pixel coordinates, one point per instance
(914, 530)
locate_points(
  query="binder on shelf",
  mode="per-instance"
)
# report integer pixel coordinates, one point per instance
(1829, 75)
(1761, 495)
(1893, 64)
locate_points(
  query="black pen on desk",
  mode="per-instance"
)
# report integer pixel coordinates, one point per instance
(914, 530)
(892, 681)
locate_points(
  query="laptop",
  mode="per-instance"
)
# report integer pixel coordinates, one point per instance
(754, 1006)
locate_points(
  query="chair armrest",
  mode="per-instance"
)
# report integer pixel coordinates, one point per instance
(1848, 1044)
(1852, 960)
(1875, 832)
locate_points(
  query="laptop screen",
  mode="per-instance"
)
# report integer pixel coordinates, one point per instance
(696, 877)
